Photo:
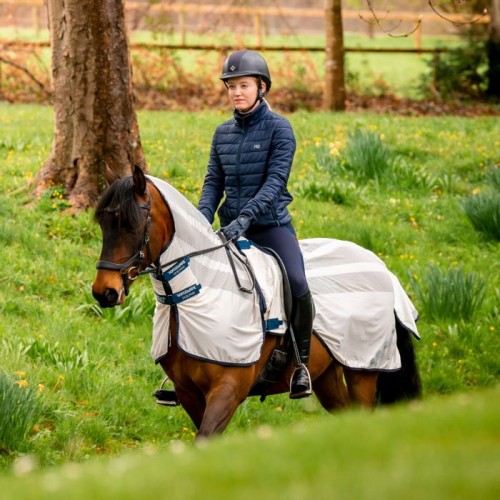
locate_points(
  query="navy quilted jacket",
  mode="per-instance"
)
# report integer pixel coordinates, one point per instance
(250, 161)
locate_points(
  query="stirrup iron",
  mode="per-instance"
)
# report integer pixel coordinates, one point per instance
(165, 397)
(307, 391)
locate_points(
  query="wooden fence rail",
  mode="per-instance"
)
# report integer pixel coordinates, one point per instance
(26, 44)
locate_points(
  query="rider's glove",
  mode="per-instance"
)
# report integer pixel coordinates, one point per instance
(236, 228)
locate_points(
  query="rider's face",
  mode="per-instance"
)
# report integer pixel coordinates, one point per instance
(243, 92)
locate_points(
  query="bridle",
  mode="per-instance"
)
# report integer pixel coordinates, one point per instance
(130, 269)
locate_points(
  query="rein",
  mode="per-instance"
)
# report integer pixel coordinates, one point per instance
(130, 270)
(156, 269)
(230, 254)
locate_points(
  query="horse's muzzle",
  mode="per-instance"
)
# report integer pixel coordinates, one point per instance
(109, 298)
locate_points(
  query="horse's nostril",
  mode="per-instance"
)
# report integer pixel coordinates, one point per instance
(107, 299)
(111, 296)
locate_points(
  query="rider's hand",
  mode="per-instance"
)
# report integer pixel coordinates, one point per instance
(236, 228)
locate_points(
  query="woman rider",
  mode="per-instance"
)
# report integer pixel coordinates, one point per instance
(250, 161)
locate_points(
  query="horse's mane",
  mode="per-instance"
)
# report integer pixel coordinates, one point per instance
(119, 200)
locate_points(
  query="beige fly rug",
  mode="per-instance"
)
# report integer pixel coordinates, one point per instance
(223, 316)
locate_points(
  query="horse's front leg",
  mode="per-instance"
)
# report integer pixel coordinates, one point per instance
(190, 395)
(223, 399)
(193, 403)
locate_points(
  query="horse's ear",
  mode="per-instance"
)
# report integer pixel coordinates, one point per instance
(110, 175)
(139, 180)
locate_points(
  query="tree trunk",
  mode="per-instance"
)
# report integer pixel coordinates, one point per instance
(335, 95)
(95, 121)
(494, 50)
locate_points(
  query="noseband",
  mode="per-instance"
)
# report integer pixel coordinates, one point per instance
(129, 270)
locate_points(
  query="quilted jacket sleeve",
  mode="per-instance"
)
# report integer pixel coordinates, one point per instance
(213, 186)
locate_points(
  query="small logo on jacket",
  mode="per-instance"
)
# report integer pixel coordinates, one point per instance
(256, 146)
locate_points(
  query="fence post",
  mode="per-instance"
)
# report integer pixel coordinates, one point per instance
(182, 27)
(418, 36)
(257, 21)
(370, 28)
(34, 16)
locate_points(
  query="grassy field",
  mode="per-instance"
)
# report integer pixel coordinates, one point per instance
(84, 376)
(444, 448)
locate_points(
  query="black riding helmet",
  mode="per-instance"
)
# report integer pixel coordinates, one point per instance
(246, 63)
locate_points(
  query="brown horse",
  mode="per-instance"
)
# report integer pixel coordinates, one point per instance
(137, 226)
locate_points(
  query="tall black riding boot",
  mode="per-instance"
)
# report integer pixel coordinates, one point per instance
(302, 321)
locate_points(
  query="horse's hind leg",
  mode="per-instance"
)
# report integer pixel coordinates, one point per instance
(330, 388)
(361, 386)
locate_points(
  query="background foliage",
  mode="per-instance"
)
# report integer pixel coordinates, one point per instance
(176, 79)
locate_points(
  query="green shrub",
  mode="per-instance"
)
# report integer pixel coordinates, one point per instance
(341, 193)
(493, 178)
(20, 409)
(483, 210)
(460, 72)
(449, 295)
(329, 159)
(366, 156)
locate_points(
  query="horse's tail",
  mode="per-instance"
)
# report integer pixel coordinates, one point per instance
(403, 384)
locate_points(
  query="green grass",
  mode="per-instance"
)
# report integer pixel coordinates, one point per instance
(95, 365)
(446, 448)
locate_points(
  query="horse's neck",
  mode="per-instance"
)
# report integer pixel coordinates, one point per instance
(191, 231)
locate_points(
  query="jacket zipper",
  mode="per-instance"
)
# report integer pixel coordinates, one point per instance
(237, 169)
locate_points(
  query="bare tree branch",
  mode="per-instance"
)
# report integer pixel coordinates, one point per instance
(415, 28)
(28, 73)
(455, 23)
(378, 22)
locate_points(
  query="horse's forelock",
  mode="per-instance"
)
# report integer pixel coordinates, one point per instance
(119, 199)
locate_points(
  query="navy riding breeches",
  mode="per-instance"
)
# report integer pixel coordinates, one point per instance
(283, 240)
